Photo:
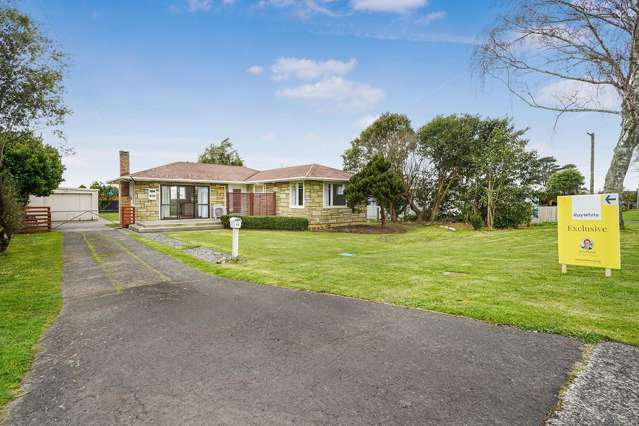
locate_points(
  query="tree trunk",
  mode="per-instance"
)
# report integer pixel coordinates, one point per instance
(382, 215)
(393, 213)
(5, 239)
(622, 155)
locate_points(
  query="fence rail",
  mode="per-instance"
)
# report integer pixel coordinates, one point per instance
(251, 204)
(36, 219)
(127, 216)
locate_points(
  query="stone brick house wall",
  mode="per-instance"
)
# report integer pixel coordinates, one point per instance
(319, 217)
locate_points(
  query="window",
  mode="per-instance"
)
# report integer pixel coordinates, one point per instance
(334, 195)
(258, 189)
(297, 195)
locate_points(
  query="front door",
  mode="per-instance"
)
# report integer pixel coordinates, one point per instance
(187, 202)
(184, 202)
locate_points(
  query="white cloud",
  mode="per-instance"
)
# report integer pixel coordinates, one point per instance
(255, 70)
(343, 92)
(308, 69)
(304, 7)
(396, 6)
(571, 93)
(203, 5)
(432, 17)
(198, 5)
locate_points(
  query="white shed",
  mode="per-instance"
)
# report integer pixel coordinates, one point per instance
(70, 204)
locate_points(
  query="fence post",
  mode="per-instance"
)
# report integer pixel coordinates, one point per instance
(251, 204)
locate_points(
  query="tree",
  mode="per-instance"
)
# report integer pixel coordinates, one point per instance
(10, 210)
(501, 168)
(36, 168)
(376, 180)
(585, 49)
(565, 182)
(449, 144)
(392, 137)
(31, 74)
(224, 153)
(106, 192)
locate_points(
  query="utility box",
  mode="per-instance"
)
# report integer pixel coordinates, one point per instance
(235, 223)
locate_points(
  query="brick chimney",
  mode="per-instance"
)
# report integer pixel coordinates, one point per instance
(124, 163)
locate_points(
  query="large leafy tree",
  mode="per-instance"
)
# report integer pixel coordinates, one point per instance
(377, 180)
(569, 181)
(222, 153)
(36, 168)
(31, 76)
(586, 50)
(449, 143)
(502, 169)
(392, 138)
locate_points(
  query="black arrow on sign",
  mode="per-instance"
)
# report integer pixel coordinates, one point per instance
(609, 199)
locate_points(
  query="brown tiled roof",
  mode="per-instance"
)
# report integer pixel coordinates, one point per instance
(307, 171)
(183, 170)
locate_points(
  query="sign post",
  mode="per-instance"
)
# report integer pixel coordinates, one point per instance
(588, 231)
(236, 224)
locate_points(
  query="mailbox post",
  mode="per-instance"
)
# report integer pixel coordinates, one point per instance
(236, 224)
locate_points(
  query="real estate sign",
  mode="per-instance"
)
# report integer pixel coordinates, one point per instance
(588, 228)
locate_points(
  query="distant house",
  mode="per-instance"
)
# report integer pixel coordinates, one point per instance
(197, 192)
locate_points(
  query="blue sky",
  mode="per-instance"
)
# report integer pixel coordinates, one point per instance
(289, 81)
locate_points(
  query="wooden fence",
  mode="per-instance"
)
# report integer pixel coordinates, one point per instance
(251, 204)
(544, 214)
(127, 216)
(36, 219)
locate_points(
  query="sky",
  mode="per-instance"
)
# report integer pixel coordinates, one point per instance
(288, 81)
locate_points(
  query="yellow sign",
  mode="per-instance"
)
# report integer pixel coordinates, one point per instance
(588, 227)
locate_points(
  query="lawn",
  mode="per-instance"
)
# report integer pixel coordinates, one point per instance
(30, 298)
(111, 216)
(631, 215)
(505, 277)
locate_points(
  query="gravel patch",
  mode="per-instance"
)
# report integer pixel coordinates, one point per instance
(202, 253)
(163, 239)
(606, 391)
(208, 255)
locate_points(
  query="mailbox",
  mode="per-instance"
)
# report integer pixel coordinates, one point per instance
(235, 223)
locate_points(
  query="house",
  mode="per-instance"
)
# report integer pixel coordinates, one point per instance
(198, 194)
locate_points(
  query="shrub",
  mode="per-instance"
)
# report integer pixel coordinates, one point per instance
(281, 223)
(476, 221)
(513, 215)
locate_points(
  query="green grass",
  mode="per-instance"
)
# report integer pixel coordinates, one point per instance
(631, 215)
(505, 277)
(113, 217)
(30, 298)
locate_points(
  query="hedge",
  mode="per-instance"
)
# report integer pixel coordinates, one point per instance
(281, 223)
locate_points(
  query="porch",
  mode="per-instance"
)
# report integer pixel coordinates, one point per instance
(176, 225)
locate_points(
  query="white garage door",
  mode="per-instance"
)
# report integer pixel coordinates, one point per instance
(70, 204)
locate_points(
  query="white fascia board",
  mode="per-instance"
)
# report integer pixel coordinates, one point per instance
(296, 179)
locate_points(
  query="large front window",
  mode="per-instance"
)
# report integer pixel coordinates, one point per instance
(184, 202)
(334, 195)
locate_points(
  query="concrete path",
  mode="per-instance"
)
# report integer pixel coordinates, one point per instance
(145, 339)
(606, 391)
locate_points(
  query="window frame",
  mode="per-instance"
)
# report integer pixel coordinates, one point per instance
(328, 201)
(294, 188)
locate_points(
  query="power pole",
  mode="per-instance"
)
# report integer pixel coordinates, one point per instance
(592, 162)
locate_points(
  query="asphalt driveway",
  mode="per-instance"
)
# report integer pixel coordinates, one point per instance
(143, 338)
